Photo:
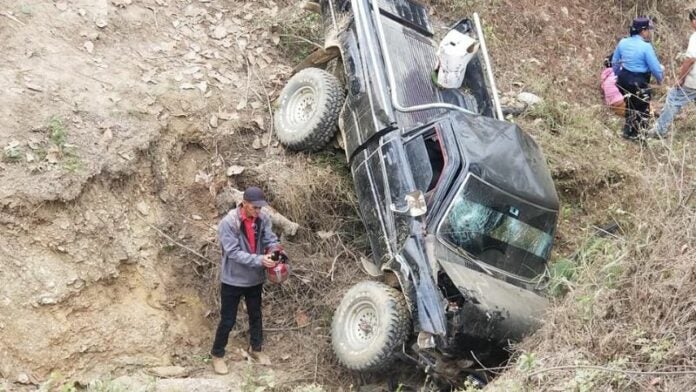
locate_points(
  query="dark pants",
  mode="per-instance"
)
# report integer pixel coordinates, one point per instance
(229, 298)
(634, 87)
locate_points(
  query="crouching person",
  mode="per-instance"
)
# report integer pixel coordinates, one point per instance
(612, 96)
(246, 239)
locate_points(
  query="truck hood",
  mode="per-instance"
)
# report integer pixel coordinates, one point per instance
(502, 154)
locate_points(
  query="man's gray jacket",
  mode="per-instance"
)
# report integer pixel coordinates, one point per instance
(240, 267)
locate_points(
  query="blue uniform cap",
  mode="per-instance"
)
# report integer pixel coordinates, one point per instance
(641, 23)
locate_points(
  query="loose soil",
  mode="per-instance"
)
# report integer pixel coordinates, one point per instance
(119, 120)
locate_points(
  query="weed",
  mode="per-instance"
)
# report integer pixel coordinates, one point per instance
(527, 362)
(319, 388)
(619, 380)
(554, 113)
(336, 162)
(456, 9)
(612, 272)
(104, 386)
(588, 380)
(57, 382)
(489, 34)
(470, 386)
(69, 387)
(72, 162)
(561, 275)
(261, 383)
(13, 152)
(169, 247)
(585, 380)
(202, 358)
(656, 350)
(586, 306)
(597, 257)
(57, 132)
(566, 212)
(41, 153)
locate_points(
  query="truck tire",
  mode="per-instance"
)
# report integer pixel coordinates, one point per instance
(369, 326)
(309, 108)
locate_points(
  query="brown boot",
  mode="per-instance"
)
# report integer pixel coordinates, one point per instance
(219, 365)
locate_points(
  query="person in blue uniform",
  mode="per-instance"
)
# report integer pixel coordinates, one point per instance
(634, 63)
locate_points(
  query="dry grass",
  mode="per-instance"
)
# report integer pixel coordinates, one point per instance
(631, 305)
(589, 166)
(630, 302)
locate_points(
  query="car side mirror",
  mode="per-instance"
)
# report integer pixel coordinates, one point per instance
(415, 205)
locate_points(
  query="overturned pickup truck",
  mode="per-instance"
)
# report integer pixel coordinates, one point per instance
(459, 205)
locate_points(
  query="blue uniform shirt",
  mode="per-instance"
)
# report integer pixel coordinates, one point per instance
(637, 55)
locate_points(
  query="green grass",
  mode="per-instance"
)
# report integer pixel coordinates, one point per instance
(57, 132)
(257, 382)
(527, 362)
(72, 162)
(41, 153)
(561, 275)
(555, 114)
(58, 135)
(598, 262)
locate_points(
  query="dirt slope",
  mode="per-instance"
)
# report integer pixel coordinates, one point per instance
(119, 119)
(109, 111)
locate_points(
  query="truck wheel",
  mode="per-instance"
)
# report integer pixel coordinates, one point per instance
(309, 108)
(369, 326)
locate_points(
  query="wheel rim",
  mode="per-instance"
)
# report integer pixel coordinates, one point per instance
(301, 106)
(362, 326)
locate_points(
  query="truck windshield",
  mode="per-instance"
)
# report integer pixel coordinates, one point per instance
(498, 229)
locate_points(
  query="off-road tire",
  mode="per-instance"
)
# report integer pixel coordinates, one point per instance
(309, 108)
(369, 326)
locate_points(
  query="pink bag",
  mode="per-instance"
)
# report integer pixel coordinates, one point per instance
(612, 95)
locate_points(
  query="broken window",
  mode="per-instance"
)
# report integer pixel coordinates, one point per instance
(498, 229)
(427, 160)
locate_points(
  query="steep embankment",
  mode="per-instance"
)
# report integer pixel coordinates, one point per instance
(120, 119)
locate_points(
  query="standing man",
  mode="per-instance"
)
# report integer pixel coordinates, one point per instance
(246, 240)
(634, 61)
(684, 90)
